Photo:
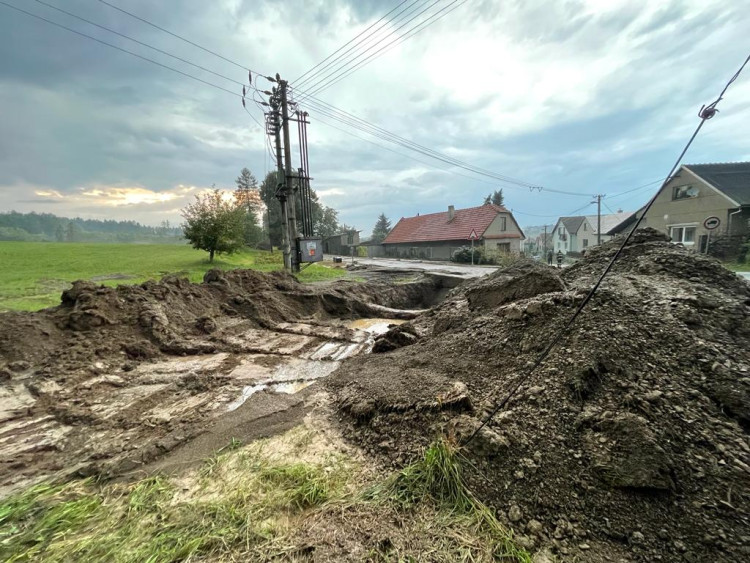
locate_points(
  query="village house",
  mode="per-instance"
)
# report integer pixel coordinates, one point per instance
(576, 234)
(341, 243)
(436, 236)
(701, 196)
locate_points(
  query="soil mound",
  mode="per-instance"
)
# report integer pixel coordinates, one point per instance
(174, 316)
(629, 443)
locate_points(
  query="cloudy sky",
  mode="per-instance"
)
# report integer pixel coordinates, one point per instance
(585, 96)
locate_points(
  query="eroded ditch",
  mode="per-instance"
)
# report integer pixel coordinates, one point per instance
(174, 371)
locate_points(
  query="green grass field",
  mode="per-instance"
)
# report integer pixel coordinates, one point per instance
(33, 274)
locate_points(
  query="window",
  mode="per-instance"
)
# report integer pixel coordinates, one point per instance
(561, 234)
(503, 247)
(684, 192)
(682, 234)
(585, 242)
(503, 223)
(585, 226)
(350, 239)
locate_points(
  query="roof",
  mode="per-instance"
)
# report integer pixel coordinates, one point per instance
(436, 227)
(730, 178)
(609, 221)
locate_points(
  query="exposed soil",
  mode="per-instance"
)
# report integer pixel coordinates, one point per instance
(630, 442)
(114, 379)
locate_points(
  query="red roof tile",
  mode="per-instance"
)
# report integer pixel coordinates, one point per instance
(436, 227)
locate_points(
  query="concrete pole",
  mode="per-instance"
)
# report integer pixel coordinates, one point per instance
(285, 247)
(290, 196)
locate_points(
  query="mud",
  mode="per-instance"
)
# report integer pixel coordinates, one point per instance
(116, 379)
(630, 443)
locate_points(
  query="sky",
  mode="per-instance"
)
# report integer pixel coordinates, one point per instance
(584, 96)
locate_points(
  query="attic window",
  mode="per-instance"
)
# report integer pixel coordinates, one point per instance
(503, 223)
(584, 226)
(684, 192)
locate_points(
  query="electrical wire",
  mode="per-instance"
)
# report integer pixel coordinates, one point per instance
(139, 42)
(410, 33)
(147, 22)
(323, 82)
(120, 49)
(300, 80)
(705, 113)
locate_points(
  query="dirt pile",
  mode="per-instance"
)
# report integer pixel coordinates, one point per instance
(115, 378)
(174, 316)
(630, 443)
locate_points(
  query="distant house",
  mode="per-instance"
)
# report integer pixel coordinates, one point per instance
(341, 243)
(576, 234)
(436, 236)
(719, 193)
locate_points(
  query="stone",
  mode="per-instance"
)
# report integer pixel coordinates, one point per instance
(534, 527)
(514, 513)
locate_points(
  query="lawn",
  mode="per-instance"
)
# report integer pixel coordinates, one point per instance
(32, 274)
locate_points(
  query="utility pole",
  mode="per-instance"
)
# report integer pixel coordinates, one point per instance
(281, 185)
(544, 252)
(598, 218)
(289, 184)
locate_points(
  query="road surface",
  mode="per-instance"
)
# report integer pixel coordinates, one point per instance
(465, 270)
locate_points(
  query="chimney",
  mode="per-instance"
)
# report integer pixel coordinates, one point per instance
(619, 209)
(451, 213)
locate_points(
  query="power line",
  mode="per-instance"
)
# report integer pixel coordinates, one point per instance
(619, 194)
(180, 37)
(120, 49)
(139, 42)
(299, 78)
(705, 113)
(321, 83)
(376, 131)
(410, 33)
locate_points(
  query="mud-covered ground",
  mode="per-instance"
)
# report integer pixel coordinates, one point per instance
(630, 443)
(119, 380)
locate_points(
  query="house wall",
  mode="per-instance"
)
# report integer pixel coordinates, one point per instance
(667, 212)
(503, 224)
(442, 250)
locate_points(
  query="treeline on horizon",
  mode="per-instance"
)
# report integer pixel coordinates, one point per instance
(46, 227)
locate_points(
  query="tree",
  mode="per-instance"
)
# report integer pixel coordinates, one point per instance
(60, 233)
(382, 228)
(245, 183)
(272, 220)
(496, 198)
(329, 223)
(72, 232)
(246, 195)
(214, 224)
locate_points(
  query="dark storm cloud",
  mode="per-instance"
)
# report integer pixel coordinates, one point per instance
(80, 114)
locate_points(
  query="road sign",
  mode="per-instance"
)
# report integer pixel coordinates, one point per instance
(712, 223)
(473, 235)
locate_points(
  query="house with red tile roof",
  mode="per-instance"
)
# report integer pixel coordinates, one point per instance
(436, 236)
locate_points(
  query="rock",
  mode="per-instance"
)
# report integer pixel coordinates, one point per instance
(514, 513)
(19, 366)
(534, 527)
(637, 538)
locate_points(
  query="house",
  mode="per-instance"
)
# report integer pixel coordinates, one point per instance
(341, 243)
(436, 236)
(699, 196)
(576, 234)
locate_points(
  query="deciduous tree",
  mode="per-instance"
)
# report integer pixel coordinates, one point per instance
(214, 224)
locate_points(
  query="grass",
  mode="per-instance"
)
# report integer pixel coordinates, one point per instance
(438, 477)
(737, 267)
(248, 503)
(34, 274)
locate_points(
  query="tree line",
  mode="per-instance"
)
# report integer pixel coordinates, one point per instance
(46, 227)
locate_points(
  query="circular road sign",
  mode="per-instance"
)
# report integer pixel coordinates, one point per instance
(711, 223)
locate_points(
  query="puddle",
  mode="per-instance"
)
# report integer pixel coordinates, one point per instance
(374, 326)
(295, 374)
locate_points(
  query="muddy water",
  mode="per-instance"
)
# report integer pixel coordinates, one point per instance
(292, 377)
(109, 418)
